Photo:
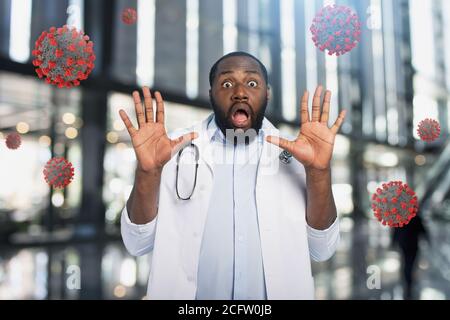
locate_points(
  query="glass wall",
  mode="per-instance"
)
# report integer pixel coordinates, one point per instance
(48, 122)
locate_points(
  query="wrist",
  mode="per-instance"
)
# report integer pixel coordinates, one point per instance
(318, 177)
(148, 172)
(313, 172)
(147, 179)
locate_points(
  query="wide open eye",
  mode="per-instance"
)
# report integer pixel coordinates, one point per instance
(227, 84)
(253, 83)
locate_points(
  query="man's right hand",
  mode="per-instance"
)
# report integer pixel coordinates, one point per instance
(151, 144)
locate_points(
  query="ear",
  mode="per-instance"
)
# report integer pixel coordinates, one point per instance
(268, 93)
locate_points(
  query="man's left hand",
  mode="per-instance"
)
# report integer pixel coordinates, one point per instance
(314, 144)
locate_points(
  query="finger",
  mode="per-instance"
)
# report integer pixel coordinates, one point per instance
(127, 122)
(139, 110)
(326, 107)
(159, 108)
(316, 104)
(304, 113)
(280, 142)
(183, 141)
(148, 105)
(335, 128)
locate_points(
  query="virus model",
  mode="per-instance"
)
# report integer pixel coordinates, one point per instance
(13, 141)
(429, 130)
(395, 204)
(58, 172)
(129, 16)
(64, 56)
(336, 29)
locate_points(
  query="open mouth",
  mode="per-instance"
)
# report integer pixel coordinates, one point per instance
(240, 115)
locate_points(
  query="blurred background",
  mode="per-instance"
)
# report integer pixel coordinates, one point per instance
(66, 244)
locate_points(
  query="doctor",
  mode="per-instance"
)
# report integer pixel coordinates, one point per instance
(230, 208)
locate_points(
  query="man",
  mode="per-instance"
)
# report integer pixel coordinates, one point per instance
(408, 238)
(240, 228)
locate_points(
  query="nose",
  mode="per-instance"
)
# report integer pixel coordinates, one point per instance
(239, 94)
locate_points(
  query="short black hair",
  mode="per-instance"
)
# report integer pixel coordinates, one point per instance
(213, 71)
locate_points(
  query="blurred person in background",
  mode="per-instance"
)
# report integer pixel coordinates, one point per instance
(407, 238)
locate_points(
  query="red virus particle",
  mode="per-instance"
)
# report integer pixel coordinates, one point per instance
(395, 204)
(63, 56)
(13, 141)
(58, 172)
(129, 16)
(429, 130)
(336, 29)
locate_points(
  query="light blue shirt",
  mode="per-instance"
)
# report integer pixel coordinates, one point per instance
(230, 263)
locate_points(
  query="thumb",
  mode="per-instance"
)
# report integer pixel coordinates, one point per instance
(280, 142)
(181, 142)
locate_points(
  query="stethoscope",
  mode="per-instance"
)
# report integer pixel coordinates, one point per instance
(284, 157)
(197, 156)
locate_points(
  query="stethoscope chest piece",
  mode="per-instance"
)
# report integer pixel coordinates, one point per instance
(285, 157)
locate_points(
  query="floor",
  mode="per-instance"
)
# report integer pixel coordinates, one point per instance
(365, 266)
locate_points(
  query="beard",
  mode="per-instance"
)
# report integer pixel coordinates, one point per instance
(223, 119)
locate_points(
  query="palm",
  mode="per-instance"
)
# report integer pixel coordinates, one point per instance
(151, 144)
(314, 144)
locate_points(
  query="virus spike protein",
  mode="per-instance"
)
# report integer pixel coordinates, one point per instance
(58, 172)
(429, 130)
(336, 29)
(64, 56)
(13, 141)
(395, 204)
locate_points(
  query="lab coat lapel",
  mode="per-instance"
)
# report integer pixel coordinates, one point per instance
(269, 161)
(268, 207)
(195, 210)
(203, 143)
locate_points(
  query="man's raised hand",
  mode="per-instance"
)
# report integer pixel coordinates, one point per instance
(314, 144)
(151, 144)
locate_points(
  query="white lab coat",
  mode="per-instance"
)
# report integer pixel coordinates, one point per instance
(287, 242)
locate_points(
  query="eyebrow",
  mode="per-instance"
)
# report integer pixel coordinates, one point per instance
(231, 71)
